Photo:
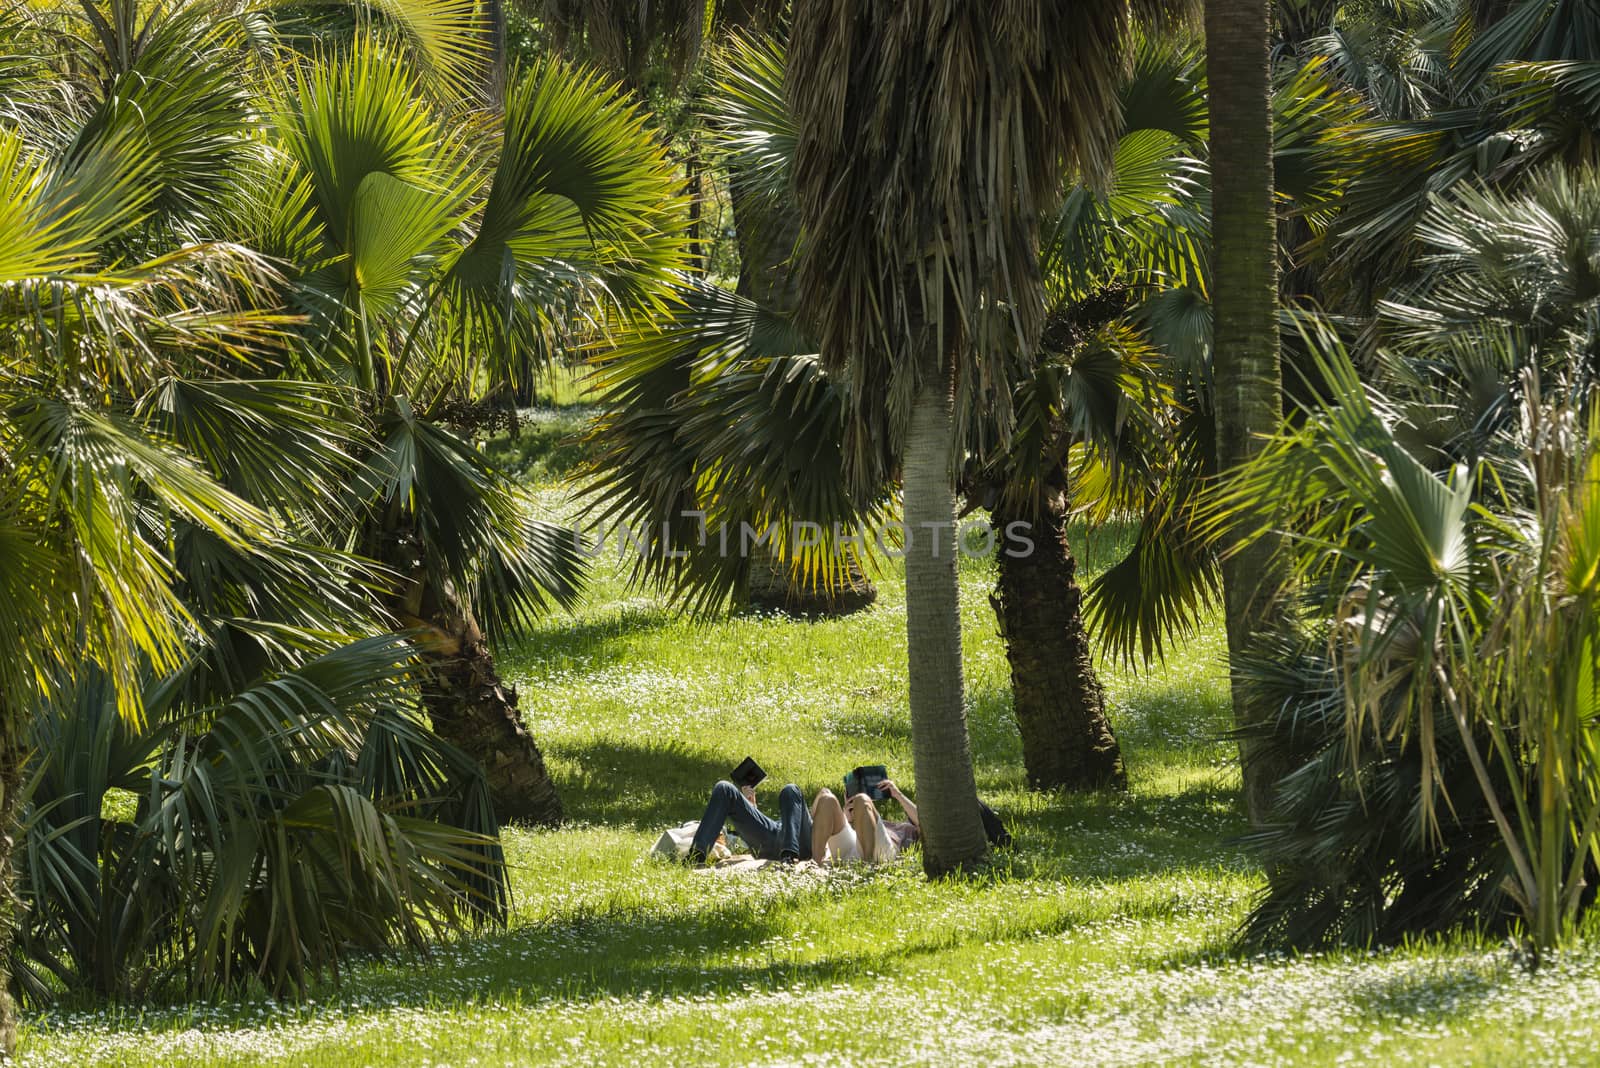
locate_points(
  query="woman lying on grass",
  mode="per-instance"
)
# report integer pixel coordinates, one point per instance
(829, 830)
(855, 831)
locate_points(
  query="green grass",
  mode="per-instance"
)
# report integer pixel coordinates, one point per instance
(1102, 938)
(548, 443)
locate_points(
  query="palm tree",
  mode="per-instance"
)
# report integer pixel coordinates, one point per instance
(757, 431)
(434, 247)
(1102, 428)
(930, 138)
(1444, 512)
(85, 559)
(432, 259)
(170, 480)
(1419, 100)
(1245, 372)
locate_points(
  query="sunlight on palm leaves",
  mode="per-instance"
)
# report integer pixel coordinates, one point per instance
(220, 264)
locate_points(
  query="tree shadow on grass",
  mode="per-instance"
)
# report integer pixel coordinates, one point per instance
(564, 643)
(1433, 991)
(634, 950)
(649, 785)
(629, 953)
(1114, 835)
(643, 785)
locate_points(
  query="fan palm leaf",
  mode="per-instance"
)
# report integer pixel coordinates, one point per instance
(307, 813)
(750, 446)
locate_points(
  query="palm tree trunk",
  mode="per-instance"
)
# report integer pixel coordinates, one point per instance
(947, 791)
(474, 710)
(10, 788)
(1067, 741)
(1245, 372)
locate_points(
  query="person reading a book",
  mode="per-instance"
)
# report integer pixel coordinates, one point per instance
(733, 800)
(854, 830)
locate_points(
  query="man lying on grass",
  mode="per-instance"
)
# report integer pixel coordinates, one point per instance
(828, 830)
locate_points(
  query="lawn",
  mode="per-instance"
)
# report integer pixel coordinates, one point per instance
(1101, 938)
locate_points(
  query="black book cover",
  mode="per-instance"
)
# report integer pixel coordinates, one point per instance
(748, 773)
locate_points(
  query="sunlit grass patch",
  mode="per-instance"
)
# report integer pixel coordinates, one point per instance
(1102, 938)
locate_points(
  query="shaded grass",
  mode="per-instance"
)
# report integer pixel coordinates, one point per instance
(1102, 937)
(547, 446)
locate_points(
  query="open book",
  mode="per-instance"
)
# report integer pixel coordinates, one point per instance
(867, 779)
(748, 773)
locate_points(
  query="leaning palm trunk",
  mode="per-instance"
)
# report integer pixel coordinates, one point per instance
(946, 786)
(1245, 335)
(474, 710)
(1067, 742)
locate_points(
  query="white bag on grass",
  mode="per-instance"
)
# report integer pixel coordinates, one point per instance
(674, 843)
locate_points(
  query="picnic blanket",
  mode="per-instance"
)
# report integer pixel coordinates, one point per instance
(745, 864)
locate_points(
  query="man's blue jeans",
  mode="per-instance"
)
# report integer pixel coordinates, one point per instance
(769, 838)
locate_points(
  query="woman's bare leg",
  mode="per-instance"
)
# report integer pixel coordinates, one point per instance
(864, 819)
(827, 820)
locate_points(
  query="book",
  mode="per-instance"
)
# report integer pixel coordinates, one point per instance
(748, 773)
(867, 779)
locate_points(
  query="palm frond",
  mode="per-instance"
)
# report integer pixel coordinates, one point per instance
(449, 41)
(583, 216)
(721, 422)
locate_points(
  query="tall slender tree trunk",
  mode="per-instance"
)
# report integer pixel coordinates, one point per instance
(947, 790)
(1245, 371)
(10, 788)
(473, 709)
(1067, 741)
(494, 75)
(692, 171)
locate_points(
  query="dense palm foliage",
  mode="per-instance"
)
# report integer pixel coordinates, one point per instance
(1458, 251)
(252, 300)
(303, 816)
(1446, 510)
(268, 273)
